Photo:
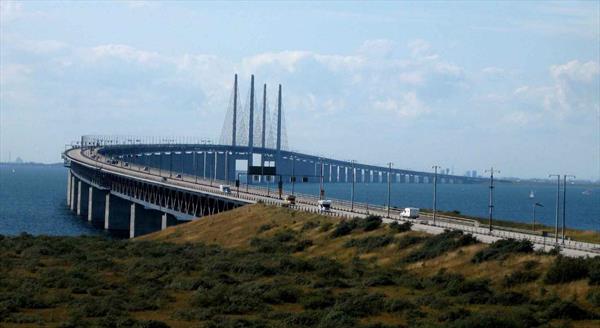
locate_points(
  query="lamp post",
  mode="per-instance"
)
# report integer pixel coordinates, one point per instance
(557, 204)
(565, 203)
(321, 190)
(435, 168)
(533, 218)
(491, 204)
(293, 172)
(389, 182)
(353, 182)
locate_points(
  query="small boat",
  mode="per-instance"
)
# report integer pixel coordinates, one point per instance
(587, 192)
(531, 194)
(13, 170)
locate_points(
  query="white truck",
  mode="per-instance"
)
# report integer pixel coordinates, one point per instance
(225, 189)
(324, 205)
(410, 212)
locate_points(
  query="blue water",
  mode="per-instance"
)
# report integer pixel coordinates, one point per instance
(33, 200)
(512, 201)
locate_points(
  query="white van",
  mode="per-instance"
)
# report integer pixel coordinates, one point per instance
(410, 212)
(225, 189)
(324, 205)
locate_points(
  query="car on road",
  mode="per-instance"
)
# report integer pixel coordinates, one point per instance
(225, 189)
(410, 212)
(324, 205)
(289, 200)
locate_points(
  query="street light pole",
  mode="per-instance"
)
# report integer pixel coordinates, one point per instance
(353, 182)
(565, 203)
(321, 191)
(389, 181)
(533, 219)
(293, 172)
(435, 168)
(557, 204)
(491, 204)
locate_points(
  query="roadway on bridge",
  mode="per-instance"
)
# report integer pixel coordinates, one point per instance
(253, 194)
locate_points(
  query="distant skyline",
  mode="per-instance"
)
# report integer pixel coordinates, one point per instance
(464, 85)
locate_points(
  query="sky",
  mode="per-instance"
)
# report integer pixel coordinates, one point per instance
(464, 85)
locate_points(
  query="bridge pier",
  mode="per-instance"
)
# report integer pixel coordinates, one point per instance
(144, 221)
(116, 213)
(96, 205)
(69, 188)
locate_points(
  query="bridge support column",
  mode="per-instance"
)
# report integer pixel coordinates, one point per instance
(144, 221)
(116, 213)
(79, 197)
(90, 205)
(132, 220)
(96, 205)
(73, 187)
(69, 188)
(167, 220)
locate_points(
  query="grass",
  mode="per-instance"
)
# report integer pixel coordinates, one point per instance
(261, 266)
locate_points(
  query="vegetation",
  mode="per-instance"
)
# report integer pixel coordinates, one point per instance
(502, 248)
(222, 272)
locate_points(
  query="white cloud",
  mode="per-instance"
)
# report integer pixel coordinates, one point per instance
(576, 71)
(10, 10)
(406, 106)
(124, 52)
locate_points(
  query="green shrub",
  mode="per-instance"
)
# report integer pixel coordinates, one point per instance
(309, 225)
(317, 300)
(500, 249)
(565, 310)
(370, 223)
(409, 240)
(593, 296)
(359, 304)
(344, 228)
(519, 277)
(400, 227)
(439, 244)
(369, 243)
(566, 269)
(594, 270)
(325, 226)
(264, 227)
(397, 305)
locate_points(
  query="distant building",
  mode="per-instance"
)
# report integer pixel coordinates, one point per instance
(474, 174)
(19, 160)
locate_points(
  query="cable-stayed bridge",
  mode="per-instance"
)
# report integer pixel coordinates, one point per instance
(144, 184)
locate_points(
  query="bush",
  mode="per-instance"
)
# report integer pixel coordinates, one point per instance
(594, 270)
(309, 225)
(409, 240)
(370, 223)
(359, 304)
(370, 243)
(519, 277)
(439, 244)
(565, 310)
(264, 227)
(500, 249)
(397, 227)
(343, 228)
(318, 300)
(398, 305)
(593, 296)
(566, 269)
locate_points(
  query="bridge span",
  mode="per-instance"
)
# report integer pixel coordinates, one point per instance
(139, 198)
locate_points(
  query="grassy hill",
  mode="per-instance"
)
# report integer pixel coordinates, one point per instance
(260, 266)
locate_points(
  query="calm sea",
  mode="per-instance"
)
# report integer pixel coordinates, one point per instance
(33, 200)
